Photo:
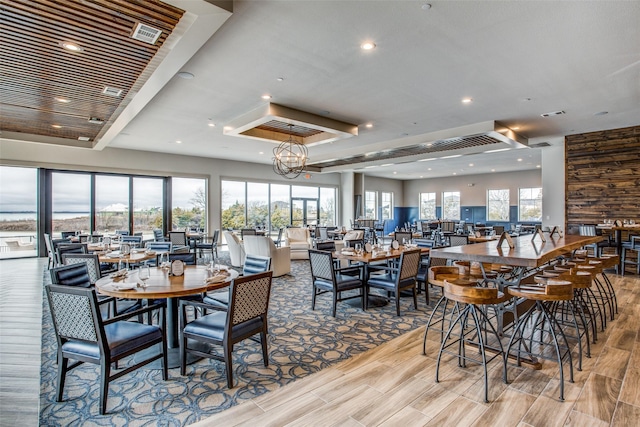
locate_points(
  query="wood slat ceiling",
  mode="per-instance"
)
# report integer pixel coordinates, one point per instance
(36, 70)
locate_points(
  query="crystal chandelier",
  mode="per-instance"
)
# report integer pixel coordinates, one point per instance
(290, 157)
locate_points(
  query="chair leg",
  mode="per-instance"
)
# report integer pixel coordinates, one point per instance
(263, 341)
(105, 372)
(335, 303)
(313, 298)
(63, 362)
(228, 349)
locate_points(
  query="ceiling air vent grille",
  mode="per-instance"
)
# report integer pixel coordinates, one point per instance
(112, 91)
(146, 34)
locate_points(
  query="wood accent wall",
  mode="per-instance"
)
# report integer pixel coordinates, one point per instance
(603, 176)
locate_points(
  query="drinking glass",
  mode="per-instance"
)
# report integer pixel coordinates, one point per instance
(358, 248)
(144, 273)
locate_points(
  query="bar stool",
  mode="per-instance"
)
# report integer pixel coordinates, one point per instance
(605, 294)
(543, 295)
(437, 277)
(608, 262)
(474, 298)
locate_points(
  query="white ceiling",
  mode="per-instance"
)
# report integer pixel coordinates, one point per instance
(515, 59)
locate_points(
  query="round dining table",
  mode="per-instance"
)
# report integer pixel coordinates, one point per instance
(197, 279)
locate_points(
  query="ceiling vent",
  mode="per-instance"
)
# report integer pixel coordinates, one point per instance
(146, 34)
(112, 91)
(493, 137)
(96, 120)
(540, 145)
(553, 113)
(276, 123)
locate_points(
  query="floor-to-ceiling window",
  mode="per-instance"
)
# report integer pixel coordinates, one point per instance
(147, 205)
(233, 204)
(280, 205)
(258, 205)
(70, 203)
(18, 211)
(112, 204)
(327, 206)
(189, 203)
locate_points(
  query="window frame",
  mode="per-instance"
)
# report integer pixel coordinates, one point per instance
(539, 201)
(508, 200)
(435, 206)
(444, 198)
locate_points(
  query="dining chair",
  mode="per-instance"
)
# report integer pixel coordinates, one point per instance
(209, 244)
(398, 279)
(74, 248)
(455, 240)
(67, 234)
(158, 235)
(246, 317)
(401, 236)
(134, 241)
(326, 278)
(179, 241)
(85, 337)
(50, 251)
(247, 232)
(253, 264)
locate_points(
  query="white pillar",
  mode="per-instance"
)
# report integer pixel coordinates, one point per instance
(347, 188)
(553, 185)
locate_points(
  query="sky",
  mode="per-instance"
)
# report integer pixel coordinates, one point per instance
(18, 189)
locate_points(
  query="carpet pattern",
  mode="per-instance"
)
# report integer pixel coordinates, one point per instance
(301, 342)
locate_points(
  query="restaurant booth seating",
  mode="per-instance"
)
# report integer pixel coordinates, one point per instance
(299, 241)
(264, 246)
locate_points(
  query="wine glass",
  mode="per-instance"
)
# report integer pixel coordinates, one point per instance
(358, 248)
(144, 273)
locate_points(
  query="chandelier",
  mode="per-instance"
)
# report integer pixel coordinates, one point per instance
(290, 157)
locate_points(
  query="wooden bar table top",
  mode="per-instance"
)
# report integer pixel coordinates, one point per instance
(380, 255)
(526, 253)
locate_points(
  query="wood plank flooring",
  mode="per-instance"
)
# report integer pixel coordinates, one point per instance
(391, 385)
(20, 340)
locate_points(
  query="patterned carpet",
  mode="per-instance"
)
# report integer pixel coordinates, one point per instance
(301, 342)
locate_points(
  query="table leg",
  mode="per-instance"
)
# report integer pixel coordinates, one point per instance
(619, 251)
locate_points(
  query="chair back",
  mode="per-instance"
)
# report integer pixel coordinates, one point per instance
(94, 238)
(448, 226)
(158, 236)
(326, 246)
(69, 248)
(499, 229)
(249, 298)
(400, 235)
(321, 265)
(67, 234)
(76, 275)
(409, 264)
(587, 230)
(254, 264)
(49, 246)
(278, 241)
(132, 240)
(455, 240)
(178, 238)
(321, 233)
(122, 232)
(74, 312)
(247, 232)
(215, 237)
(189, 258)
(424, 243)
(159, 246)
(90, 260)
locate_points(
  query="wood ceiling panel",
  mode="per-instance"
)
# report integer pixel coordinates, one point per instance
(35, 69)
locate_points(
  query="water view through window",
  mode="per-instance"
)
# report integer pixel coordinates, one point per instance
(18, 211)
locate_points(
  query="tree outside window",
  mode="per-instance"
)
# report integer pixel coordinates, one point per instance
(530, 204)
(427, 205)
(451, 205)
(498, 205)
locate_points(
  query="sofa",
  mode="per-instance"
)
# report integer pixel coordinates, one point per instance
(299, 241)
(264, 246)
(236, 248)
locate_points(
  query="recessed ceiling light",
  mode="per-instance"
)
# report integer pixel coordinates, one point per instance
(394, 172)
(471, 164)
(537, 166)
(227, 128)
(261, 152)
(493, 170)
(369, 125)
(265, 96)
(63, 100)
(367, 45)
(455, 173)
(429, 169)
(185, 75)
(467, 100)
(72, 47)
(515, 128)
(56, 126)
(388, 164)
(520, 159)
(280, 79)
(212, 125)
(421, 176)
(426, 6)
(178, 142)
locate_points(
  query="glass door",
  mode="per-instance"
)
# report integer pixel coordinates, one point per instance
(304, 212)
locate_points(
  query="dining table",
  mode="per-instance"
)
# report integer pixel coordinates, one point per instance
(482, 239)
(134, 257)
(618, 229)
(196, 279)
(367, 258)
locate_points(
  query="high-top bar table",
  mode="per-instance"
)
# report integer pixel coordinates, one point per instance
(527, 254)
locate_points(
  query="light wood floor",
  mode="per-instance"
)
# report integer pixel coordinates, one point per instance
(391, 385)
(20, 340)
